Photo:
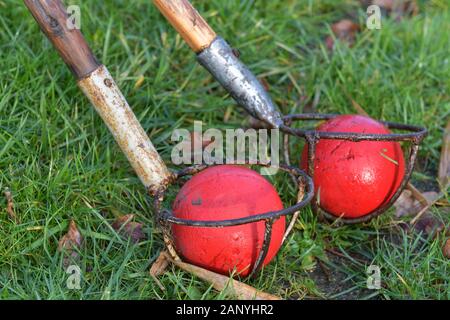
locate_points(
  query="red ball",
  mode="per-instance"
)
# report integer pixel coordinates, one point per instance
(219, 193)
(355, 178)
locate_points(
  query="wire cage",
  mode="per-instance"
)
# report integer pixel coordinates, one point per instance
(165, 217)
(303, 180)
(412, 134)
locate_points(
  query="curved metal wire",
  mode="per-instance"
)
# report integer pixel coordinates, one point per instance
(165, 217)
(415, 135)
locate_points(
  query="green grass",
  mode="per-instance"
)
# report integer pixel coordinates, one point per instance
(61, 163)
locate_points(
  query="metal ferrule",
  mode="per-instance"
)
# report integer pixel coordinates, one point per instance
(111, 105)
(239, 81)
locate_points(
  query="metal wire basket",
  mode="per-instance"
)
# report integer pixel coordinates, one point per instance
(413, 134)
(165, 217)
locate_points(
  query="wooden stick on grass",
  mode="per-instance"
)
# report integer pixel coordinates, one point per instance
(222, 283)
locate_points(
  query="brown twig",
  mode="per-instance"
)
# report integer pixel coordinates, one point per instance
(417, 194)
(219, 282)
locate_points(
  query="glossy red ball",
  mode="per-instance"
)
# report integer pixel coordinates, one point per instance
(352, 179)
(219, 193)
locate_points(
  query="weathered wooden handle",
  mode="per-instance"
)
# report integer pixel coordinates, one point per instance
(70, 43)
(99, 86)
(188, 22)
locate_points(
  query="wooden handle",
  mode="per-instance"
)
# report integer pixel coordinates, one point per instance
(188, 22)
(70, 43)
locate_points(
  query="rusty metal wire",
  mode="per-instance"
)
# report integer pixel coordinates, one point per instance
(414, 135)
(165, 217)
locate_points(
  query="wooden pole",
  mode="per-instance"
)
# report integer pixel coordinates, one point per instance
(100, 88)
(70, 43)
(188, 22)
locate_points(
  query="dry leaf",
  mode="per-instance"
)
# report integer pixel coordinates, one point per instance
(398, 8)
(429, 225)
(344, 30)
(446, 249)
(10, 206)
(386, 4)
(69, 244)
(431, 201)
(405, 8)
(220, 282)
(408, 205)
(160, 265)
(128, 228)
(444, 164)
(72, 239)
(424, 221)
(405, 204)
